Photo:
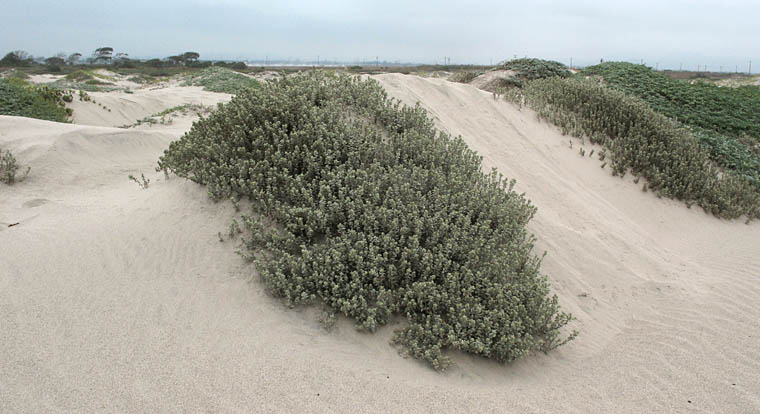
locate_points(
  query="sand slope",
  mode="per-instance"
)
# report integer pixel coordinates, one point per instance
(121, 108)
(114, 298)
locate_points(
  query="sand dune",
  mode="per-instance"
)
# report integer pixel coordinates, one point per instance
(121, 108)
(114, 298)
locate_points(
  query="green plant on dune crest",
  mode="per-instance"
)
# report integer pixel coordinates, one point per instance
(641, 141)
(532, 68)
(374, 213)
(733, 111)
(220, 79)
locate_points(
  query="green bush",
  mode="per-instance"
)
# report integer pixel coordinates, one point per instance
(643, 142)
(375, 213)
(220, 79)
(531, 68)
(18, 98)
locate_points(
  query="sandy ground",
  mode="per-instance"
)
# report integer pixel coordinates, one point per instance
(114, 298)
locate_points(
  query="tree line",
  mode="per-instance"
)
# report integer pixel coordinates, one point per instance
(101, 56)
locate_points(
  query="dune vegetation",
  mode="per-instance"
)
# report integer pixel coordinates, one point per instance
(647, 124)
(18, 98)
(532, 68)
(220, 79)
(725, 120)
(640, 141)
(360, 204)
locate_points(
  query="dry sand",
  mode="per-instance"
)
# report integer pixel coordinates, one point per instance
(114, 298)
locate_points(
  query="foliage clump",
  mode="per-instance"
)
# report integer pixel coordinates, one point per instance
(18, 98)
(465, 76)
(733, 111)
(375, 213)
(643, 142)
(725, 120)
(220, 79)
(532, 68)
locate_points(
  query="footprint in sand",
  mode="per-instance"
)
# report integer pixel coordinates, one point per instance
(35, 202)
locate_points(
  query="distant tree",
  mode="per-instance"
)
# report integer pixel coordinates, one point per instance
(190, 57)
(16, 58)
(54, 61)
(177, 59)
(121, 56)
(102, 55)
(156, 63)
(73, 58)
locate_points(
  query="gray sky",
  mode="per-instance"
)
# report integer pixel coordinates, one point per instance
(668, 32)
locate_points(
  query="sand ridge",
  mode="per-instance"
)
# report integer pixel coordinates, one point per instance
(114, 298)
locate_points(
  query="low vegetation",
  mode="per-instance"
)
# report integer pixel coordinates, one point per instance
(732, 111)
(647, 144)
(725, 120)
(18, 98)
(532, 68)
(360, 204)
(465, 76)
(220, 79)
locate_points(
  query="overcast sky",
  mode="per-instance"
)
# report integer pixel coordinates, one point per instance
(668, 32)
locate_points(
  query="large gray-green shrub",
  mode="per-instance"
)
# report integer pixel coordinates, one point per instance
(377, 214)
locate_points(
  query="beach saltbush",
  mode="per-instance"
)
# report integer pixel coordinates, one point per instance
(362, 205)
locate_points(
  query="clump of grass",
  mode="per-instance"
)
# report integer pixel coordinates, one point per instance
(639, 140)
(9, 167)
(220, 79)
(142, 182)
(376, 213)
(18, 98)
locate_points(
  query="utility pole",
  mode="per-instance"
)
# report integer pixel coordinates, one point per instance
(657, 66)
(750, 67)
(680, 67)
(571, 63)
